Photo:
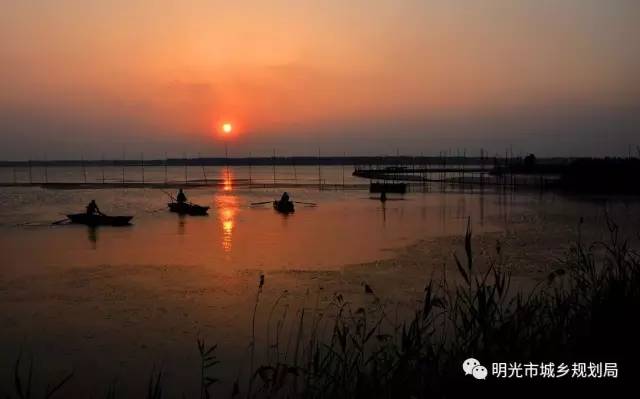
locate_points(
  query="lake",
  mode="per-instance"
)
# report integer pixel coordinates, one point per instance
(112, 303)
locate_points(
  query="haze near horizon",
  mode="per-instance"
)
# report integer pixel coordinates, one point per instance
(92, 78)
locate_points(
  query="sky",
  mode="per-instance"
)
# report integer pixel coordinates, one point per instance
(89, 78)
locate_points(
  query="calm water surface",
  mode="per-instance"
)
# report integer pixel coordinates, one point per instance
(121, 300)
(346, 227)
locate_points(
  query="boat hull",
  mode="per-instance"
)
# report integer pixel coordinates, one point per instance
(188, 209)
(99, 220)
(284, 207)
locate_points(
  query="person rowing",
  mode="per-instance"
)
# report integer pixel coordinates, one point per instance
(92, 208)
(181, 205)
(285, 198)
(284, 205)
(181, 198)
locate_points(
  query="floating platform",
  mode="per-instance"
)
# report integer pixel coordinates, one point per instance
(399, 188)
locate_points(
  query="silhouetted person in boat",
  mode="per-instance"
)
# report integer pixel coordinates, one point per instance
(92, 208)
(383, 196)
(285, 198)
(181, 198)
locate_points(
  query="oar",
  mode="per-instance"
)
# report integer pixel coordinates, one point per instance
(170, 196)
(261, 203)
(60, 221)
(306, 203)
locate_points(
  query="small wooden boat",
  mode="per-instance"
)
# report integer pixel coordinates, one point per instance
(99, 220)
(188, 209)
(283, 207)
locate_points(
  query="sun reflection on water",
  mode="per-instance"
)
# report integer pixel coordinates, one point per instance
(227, 179)
(227, 206)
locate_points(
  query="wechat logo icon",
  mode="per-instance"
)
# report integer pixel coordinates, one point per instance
(473, 367)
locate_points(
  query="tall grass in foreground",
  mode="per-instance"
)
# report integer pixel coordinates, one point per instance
(581, 312)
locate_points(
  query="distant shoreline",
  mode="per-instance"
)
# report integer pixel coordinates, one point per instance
(280, 160)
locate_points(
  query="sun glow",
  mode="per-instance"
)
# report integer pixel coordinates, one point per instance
(227, 128)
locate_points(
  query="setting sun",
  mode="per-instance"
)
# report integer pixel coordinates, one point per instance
(226, 128)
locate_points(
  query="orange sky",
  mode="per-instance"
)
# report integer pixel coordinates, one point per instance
(163, 74)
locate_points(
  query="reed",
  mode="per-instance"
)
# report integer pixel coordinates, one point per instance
(576, 313)
(154, 385)
(208, 360)
(23, 385)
